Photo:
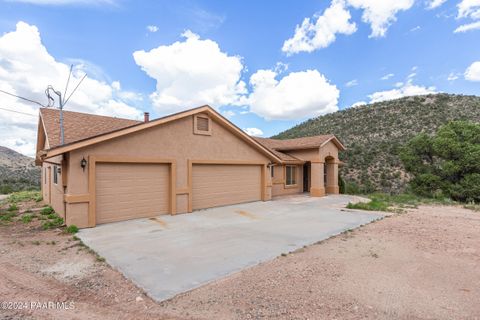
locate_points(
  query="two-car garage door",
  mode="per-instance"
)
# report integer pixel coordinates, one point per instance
(138, 190)
(131, 190)
(216, 185)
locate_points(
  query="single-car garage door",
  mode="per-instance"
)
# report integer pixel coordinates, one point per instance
(219, 185)
(131, 190)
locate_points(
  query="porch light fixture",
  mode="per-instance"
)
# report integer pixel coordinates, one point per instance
(83, 163)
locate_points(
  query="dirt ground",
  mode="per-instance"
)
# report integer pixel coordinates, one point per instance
(424, 264)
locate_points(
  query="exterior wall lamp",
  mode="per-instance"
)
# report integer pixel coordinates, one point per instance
(83, 163)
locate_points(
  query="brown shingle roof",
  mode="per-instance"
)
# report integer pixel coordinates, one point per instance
(297, 143)
(78, 126)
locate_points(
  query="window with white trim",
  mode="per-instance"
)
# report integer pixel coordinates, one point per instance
(290, 175)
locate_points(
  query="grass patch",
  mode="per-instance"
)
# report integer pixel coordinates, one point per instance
(26, 218)
(12, 207)
(22, 196)
(395, 203)
(71, 229)
(47, 211)
(52, 223)
(7, 216)
(472, 206)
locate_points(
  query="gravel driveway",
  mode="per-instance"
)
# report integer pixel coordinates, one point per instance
(172, 254)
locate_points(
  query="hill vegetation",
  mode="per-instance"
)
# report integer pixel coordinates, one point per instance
(17, 172)
(374, 135)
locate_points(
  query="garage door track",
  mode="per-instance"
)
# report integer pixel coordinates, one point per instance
(168, 255)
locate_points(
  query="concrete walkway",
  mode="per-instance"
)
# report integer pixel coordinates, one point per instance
(168, 255)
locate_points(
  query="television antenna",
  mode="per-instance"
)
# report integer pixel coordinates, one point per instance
(61, 100)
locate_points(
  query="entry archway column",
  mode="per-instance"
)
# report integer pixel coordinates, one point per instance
(332, 177)
(317, 187)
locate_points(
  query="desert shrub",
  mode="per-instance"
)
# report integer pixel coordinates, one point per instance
(52, 223)
(25, 196)
(71, 229)
(447, 163)
(47, 210)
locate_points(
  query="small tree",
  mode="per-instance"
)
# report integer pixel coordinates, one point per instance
(446, 164)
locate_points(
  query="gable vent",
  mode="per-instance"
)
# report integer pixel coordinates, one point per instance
(202, 124)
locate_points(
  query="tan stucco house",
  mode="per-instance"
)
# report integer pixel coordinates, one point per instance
(110, 169)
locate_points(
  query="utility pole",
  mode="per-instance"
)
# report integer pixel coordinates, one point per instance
(61, 104)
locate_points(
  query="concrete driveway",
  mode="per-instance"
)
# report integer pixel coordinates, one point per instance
(168, 255)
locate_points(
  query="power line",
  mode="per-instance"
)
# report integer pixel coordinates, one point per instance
(26, 99)
(28, 114)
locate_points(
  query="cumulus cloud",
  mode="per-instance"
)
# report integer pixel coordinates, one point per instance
(321, 30)
(152, 28)
(452, 76)
(380, 14)
(402, 90)
(312, 35)
(432, 4)
(473, 72)
(358, 104)
(26, 69)
(253, 132)
(191, 73)
(296, 95)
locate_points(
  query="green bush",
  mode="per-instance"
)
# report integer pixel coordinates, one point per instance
(446, 164)
(47, 210)
(373, 205)
(71, 229)
(341, 184)
(27, 218)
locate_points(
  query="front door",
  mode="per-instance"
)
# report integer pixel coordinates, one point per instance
(306, 177)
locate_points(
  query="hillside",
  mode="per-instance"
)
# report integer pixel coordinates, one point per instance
(17, 172)
(373, 134)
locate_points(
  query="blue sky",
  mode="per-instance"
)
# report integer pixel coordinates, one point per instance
(415, 46)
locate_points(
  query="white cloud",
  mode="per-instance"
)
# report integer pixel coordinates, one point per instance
(473, 72)
(26, 69)
(297, 95)
(380, 14)
(387, 76)
(468, 27)
(405, 90)
(432, 4)
(352, 83)
(253, 132)
(152, 28)
(191, 73)
(469, 9)
(68, 2)
(310, 35)
(452, 76)
(358, 104)
(415, 29)
(228, 113)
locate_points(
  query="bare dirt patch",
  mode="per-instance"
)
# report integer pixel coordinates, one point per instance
(423, 264)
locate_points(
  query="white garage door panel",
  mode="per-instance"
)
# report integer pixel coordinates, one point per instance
(220, 185)
(131, 190)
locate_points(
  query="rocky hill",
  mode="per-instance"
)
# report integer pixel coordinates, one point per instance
(373, 134)
(17, 172)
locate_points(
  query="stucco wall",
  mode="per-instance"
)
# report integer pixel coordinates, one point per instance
(279, 188)
(174, 140)
(53, 193)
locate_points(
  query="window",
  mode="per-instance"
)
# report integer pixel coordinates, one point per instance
(45, 175)
(291, 175)
(202, 125)
(272, 171)
(55, 174)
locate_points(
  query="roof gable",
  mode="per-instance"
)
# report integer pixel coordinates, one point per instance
(137, 126)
